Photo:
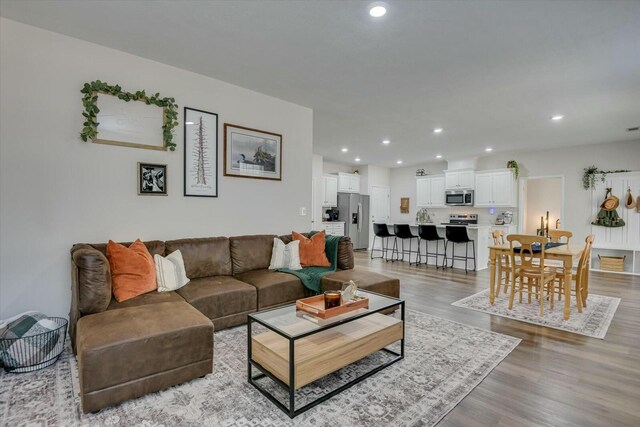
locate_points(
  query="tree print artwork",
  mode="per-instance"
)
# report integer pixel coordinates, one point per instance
(201, 153)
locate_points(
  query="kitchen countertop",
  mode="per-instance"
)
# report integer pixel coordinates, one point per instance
(469, 227)
(333, 222)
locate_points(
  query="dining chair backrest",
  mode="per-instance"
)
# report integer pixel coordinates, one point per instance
(522, 248)
(402, 231)
(457, 234)
(428, 232)
(381, 230)
(585, 259)
(498, 237)
(557, 235)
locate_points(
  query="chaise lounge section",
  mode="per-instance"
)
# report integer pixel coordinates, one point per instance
(160, 339)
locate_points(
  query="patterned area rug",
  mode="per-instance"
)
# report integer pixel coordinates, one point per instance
(593, 322)
(443, 362)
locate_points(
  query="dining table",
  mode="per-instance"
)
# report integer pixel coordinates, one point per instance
(565, 253)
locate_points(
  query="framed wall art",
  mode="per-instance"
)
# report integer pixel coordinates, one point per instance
(152, 179)
(252, 153)
(200, 153)
(111, 118)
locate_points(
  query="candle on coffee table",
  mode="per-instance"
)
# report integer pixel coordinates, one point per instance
(331, 299)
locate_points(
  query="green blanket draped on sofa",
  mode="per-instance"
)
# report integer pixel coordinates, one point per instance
(311, 277)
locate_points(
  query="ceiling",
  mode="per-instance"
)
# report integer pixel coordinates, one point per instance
(491, 73)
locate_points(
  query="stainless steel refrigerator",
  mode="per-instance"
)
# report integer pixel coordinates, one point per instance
(354, 211)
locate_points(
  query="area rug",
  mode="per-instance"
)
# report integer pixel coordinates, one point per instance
(443, 362)
(593, 322)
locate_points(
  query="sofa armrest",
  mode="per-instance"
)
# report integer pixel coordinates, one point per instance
(90, 284)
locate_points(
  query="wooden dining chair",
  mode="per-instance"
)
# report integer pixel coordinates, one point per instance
(558, 236)
(537, 276)
(580, 277)
(504, 265)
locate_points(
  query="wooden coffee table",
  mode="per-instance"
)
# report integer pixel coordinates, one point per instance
(299, 349)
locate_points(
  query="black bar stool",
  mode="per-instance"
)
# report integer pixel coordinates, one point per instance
(402, 232)
(458, 234)
(428, 233)
(381, 231)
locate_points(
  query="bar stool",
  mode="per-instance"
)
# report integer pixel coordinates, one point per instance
(428, 233)
(458, 234)
(381, 231)
(402, 232)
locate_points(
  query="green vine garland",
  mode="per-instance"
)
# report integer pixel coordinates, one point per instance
(589, 176)
(91, 110)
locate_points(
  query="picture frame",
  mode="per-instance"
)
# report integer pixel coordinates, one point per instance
(152, 179)
(200, 153)
(252, 153)
(130, 124)
(404, 205)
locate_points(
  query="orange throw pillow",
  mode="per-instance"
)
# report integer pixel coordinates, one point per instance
(312, 253)
(133, 271)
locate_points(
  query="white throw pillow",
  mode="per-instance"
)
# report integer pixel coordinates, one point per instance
(285, 256)
(170, 272)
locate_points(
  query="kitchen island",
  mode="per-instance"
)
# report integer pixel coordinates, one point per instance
(477, 232)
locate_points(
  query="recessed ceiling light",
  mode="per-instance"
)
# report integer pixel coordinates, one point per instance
(488, 149)
(399, 162)
(386, 141)
(439, 156)
(344, 150)
(188, 123)
(357, 159)
(377, 9)
(558, 117)
(438, 130)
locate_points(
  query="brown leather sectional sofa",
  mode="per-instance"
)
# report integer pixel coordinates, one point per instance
(158, 340)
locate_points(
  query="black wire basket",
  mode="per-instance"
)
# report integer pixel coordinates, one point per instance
(30, 353)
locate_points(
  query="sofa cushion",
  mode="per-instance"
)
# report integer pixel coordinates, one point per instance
(209, 256)
(121, 346)
(274, 288)
(366, 280)
(312, 249)
(219, 296)
(92, 279)
(345, 250)
(153, 246)
(251, 252)
(146, 299)
(133, 271)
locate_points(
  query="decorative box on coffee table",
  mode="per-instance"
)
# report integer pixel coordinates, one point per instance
(298, 349)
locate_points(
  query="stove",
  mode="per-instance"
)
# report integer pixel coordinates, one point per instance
(462, 219)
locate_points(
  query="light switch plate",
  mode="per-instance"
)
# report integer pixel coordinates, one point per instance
(302, 211)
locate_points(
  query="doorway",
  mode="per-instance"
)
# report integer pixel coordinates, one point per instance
(380, 208)
(539, 195)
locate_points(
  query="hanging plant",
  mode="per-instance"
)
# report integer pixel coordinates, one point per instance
(589, 176)
(90, 102)
(513, 164)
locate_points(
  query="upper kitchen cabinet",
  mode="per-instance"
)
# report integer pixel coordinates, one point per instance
(459, 180)
(348, 183)
(496, 189)
(329, 191)
(430, 192)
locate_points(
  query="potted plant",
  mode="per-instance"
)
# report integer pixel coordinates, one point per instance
(513, 164)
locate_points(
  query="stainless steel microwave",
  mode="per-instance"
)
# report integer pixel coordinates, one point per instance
(458, 197)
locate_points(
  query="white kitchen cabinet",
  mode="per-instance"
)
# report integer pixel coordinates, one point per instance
(334, 228)
(430, 192)
(459, 180)
(348, 183)
(329, 191)
(495, 189)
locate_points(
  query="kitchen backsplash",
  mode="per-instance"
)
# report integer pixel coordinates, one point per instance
(484, 214)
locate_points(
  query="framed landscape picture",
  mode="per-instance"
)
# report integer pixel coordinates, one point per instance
(200, 153)
(152, 179)
(252, 153)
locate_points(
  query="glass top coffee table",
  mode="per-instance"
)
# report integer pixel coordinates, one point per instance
(298, 348)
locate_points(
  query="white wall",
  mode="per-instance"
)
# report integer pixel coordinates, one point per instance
(329, 167)
(56, 190)
(569, 162)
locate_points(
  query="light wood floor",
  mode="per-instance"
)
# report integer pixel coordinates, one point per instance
(553, 378)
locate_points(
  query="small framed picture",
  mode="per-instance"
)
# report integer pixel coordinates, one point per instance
(152, 179)
(252, 153)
